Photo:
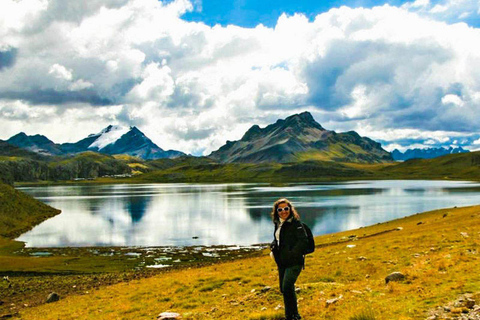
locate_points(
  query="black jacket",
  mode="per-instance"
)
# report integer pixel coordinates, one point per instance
(293, 242)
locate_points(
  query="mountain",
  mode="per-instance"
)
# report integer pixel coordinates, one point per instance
(121, 140)
(111, 140)
(299, 138)
(427, 153)
(117, 140)
(37, 143)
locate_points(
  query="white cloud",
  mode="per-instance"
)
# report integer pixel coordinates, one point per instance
(60, 72)
(380, 71)
(453, 99)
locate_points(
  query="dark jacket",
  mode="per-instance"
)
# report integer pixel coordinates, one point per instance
(293, 242)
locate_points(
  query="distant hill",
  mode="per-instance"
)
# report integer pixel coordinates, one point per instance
(8, 151)
(299, 138)
(111, 140)
(453, 166)
(427, 153)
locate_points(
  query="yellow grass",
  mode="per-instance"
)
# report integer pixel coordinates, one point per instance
(438, 261)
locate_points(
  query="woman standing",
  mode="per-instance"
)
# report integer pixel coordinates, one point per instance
(288, 247)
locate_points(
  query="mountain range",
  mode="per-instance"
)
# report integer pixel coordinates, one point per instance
(298, 138)
(111, 140)
(427, 153)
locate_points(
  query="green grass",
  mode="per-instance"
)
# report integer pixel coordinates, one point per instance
(19, 212)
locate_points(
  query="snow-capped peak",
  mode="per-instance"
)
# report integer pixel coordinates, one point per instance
(108, 136)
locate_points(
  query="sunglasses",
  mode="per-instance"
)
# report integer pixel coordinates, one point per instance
(283, 209)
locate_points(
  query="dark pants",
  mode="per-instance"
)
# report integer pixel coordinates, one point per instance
(288, 276)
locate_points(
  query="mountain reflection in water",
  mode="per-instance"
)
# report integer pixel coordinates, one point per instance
(212, 214)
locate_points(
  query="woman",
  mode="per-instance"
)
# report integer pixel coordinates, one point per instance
(290, 241)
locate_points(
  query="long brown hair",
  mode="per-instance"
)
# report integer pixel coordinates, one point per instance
(274, 213)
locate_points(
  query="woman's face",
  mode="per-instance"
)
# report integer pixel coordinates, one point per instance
(283, 211)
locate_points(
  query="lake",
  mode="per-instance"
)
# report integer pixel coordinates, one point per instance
(228, 214)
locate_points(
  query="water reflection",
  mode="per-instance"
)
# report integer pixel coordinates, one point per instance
(208, 214)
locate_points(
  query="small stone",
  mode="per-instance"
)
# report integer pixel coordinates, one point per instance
(297, 290)
(264, 308)
(470, 303)
(278, 307)
(399, 228)
(52, 297)
(447, 309)
(395, 276)
(419, 223)
(169, 316)
(334, 300)
(362, 258)
(265, 289)
(252, 291)
(464, 234)
(213, 309)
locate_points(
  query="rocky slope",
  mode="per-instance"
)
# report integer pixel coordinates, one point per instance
(300, 137)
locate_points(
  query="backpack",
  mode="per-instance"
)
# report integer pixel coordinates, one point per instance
(311, 242)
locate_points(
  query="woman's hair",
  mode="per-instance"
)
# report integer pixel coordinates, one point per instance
(274, 212)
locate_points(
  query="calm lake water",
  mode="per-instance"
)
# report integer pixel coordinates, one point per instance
(230, 214)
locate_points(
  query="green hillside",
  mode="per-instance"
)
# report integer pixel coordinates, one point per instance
(19, 212)
(452, 166)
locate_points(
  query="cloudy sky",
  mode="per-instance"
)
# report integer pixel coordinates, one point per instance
(193, 74)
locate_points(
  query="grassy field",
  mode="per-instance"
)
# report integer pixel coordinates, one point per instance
(437, 251)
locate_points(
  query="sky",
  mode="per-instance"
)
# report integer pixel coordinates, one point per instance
(193, 74)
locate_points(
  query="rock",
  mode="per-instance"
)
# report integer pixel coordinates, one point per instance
(419, 223)
(6, 316)
(297, 290)
(445, 215)
(265, 289)
(334, 300)
(52, 297)
(470, 303)
(264, 308)
(395, 276)
(252, 291)
(362, 258)
(399, 228)
(464, 234)
(169, 316)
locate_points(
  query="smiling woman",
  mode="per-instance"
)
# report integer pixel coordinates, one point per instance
(288, 249)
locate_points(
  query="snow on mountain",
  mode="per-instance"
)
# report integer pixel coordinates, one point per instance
(108, 136)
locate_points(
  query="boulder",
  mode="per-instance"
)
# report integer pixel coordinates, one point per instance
(52, 297)
(395, 276)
